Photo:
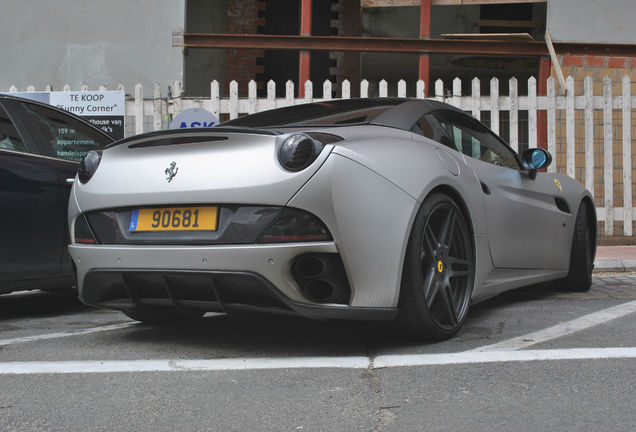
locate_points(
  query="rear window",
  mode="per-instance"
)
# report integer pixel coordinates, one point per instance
(332, 113)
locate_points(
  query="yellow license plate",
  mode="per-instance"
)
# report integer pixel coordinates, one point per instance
(174, 219)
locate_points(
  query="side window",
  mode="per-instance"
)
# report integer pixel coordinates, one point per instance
(429, 127)
(65, 136)
(9, 137)
(475, 140)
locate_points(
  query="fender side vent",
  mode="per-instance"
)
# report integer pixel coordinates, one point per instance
(562, 205)
(485, 188)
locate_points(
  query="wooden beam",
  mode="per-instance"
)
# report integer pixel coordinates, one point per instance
(394, 3)
(304, 58)
(404, 45)
(545, 66)
(424, 64)
(305, 18)
(507, 23)
(425, 19)
(489, 36)
(555, 62)
(480, 2)
(388, 3)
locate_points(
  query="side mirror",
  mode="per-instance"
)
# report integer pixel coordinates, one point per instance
(535, 159)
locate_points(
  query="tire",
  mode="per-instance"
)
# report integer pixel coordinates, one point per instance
(439, 271)
(579, 277)
(163, 317)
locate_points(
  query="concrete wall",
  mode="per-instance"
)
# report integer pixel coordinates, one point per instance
(599, 21)
(90, 42)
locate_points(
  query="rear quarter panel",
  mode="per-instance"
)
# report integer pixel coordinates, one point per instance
(369, 192)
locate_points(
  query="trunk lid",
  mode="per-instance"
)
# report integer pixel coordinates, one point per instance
(194, 167)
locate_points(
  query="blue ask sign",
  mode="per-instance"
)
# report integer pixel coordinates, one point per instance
(193, 118)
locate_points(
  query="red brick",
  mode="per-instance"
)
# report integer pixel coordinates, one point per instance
(617, 62)
(568, 60)
(348, 63)
(595, 61)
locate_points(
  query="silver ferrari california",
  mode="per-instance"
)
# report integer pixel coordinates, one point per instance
(369, 209)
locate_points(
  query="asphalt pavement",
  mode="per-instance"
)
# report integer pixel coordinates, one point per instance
(533, 359)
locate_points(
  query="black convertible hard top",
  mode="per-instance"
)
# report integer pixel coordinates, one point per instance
(400, 113)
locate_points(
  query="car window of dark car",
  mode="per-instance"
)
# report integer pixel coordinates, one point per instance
(9, 137)
(65, 137)
(430, 128)
(475, 140)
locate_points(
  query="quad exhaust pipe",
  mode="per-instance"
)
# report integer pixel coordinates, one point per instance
(322, 278)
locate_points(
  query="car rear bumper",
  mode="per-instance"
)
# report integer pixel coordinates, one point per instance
(230, 278)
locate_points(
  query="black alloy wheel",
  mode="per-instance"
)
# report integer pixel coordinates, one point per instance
(439, 271)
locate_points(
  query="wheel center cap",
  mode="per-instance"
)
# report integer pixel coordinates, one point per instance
(440, 266)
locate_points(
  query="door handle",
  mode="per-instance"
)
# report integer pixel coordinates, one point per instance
(70, 181)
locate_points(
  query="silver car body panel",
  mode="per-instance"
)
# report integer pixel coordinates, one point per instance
(241, 169)
(521, 217)
(367, 189)
(369, 218)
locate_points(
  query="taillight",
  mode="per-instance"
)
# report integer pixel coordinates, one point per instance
(88, 165)
(298, 152)
(293, 225)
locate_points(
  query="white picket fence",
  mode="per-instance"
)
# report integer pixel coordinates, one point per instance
(563, 108)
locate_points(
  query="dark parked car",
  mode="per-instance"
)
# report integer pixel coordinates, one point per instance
(40, 149)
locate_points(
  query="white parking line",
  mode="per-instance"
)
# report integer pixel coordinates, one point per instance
(34, 338)
(502, 356)
(106, 366)
(357, 362)
(562, 329)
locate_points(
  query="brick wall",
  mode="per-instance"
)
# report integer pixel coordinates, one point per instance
(247, 17)
(580, 67)
(349, 23)
(243, 65)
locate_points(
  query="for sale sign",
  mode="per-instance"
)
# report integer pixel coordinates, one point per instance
(104, 109)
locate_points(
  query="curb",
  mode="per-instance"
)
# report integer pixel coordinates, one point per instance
(615, 265)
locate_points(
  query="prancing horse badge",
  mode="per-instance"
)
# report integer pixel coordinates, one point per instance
(171, 171)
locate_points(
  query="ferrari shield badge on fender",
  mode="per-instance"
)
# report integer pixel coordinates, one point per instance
(171, 171)
(556, 182)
